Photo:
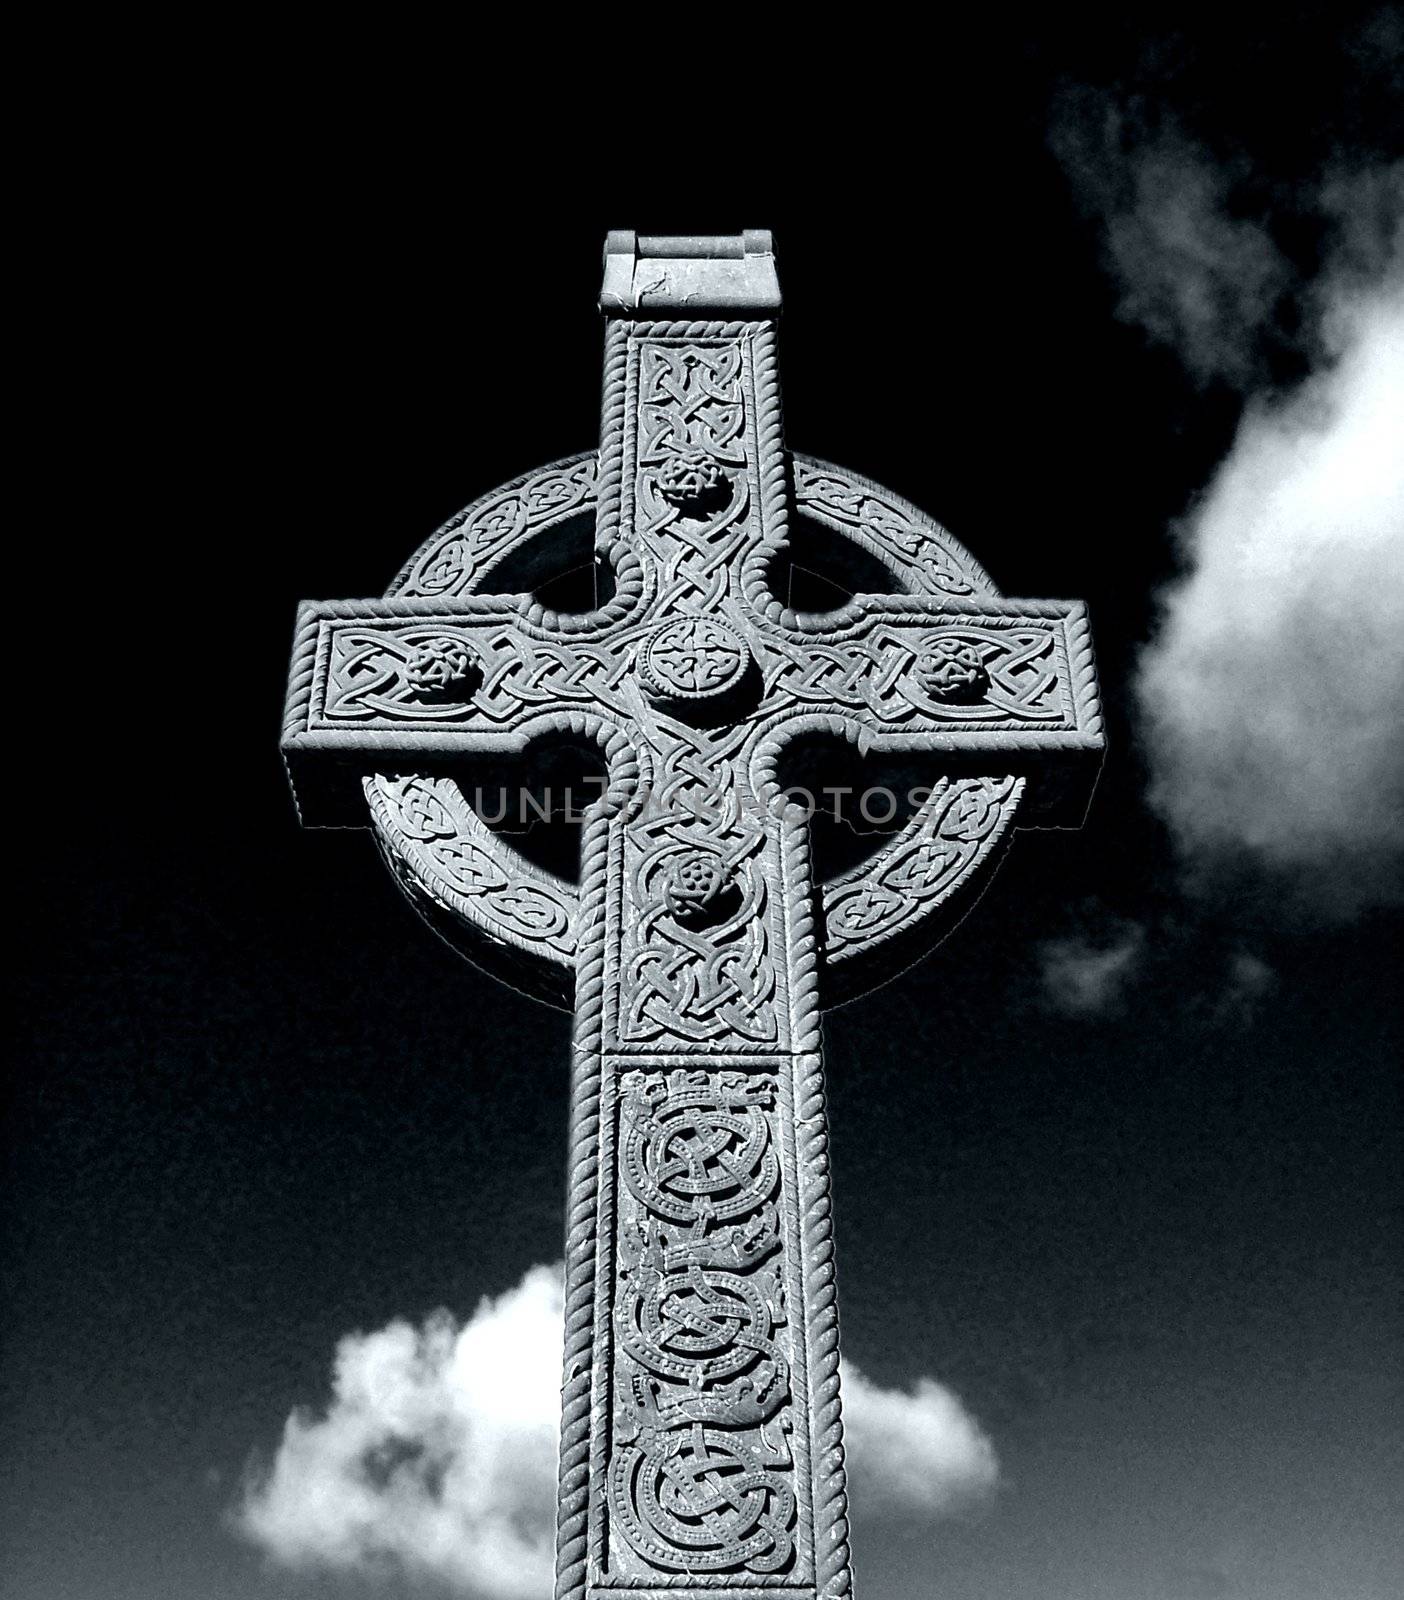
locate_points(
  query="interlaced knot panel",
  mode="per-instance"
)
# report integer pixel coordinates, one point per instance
(702, 1478)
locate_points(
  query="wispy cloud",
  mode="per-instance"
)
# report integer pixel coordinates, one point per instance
(1087, 973)
(436, 1455)
(1190, 274)
(1190, 271)
(1271, 692)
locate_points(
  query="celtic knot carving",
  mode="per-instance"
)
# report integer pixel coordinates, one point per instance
(692, 658)
(687, 983)
(921, 551)
(701, 1475)
(436, 666)
(982, 672)
(448, 845)
(693, 499)
(959, 824)
(952, 669)
(684, 978)
(690, 402)
(694, 885)
(494, 673)
(472, 543)
(692, 481)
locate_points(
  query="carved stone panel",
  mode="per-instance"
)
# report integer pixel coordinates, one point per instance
(701, 1462)
(702, 946)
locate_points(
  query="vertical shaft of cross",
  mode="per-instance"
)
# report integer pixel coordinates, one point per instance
(701, 1445)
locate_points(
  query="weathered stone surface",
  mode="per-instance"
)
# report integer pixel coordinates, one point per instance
(701, 1448)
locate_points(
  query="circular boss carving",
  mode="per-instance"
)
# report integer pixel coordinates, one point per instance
(693, 482)
(438, 665)
(693, 658)
(702, 1504)
(696, 1158)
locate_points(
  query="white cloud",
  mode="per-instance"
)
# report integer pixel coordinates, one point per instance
(1083, 976)
(1273, 690)
(912, 1453)
(1271, 695)
(436, 1457)
(1191, 275)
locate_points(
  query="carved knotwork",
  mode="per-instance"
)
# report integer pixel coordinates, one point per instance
(693, 658)
(378, 674)
(954, 832)
(702, 1476)
(444, 838)
(689, 980)
(928, 559)
(474, 541)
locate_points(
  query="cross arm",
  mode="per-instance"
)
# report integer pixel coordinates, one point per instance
(396, 683)
(968, 680)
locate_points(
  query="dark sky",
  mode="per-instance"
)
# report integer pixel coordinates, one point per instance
(1155, 1249)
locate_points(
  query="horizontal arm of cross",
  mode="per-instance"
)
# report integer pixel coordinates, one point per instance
(971, 681)
(399, 682)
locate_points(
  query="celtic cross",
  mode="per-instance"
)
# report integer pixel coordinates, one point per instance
(701, 1439)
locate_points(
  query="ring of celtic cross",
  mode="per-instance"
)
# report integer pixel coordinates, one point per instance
(494, 905)
(701, 1434)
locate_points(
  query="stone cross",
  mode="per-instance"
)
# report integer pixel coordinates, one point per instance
(701, 1442)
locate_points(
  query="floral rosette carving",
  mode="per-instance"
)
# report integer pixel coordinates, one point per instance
(439, 666)
(952, 669)
(692, 481)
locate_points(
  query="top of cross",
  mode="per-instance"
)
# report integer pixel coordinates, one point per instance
(694, 273)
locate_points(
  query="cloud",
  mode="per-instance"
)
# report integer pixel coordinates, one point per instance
(1250, 981)
(1192, 276)
(912, 1453)
(1192, 273)
(436, 1456)
(1083, 975)
(1270, 695)
(1272, 691)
